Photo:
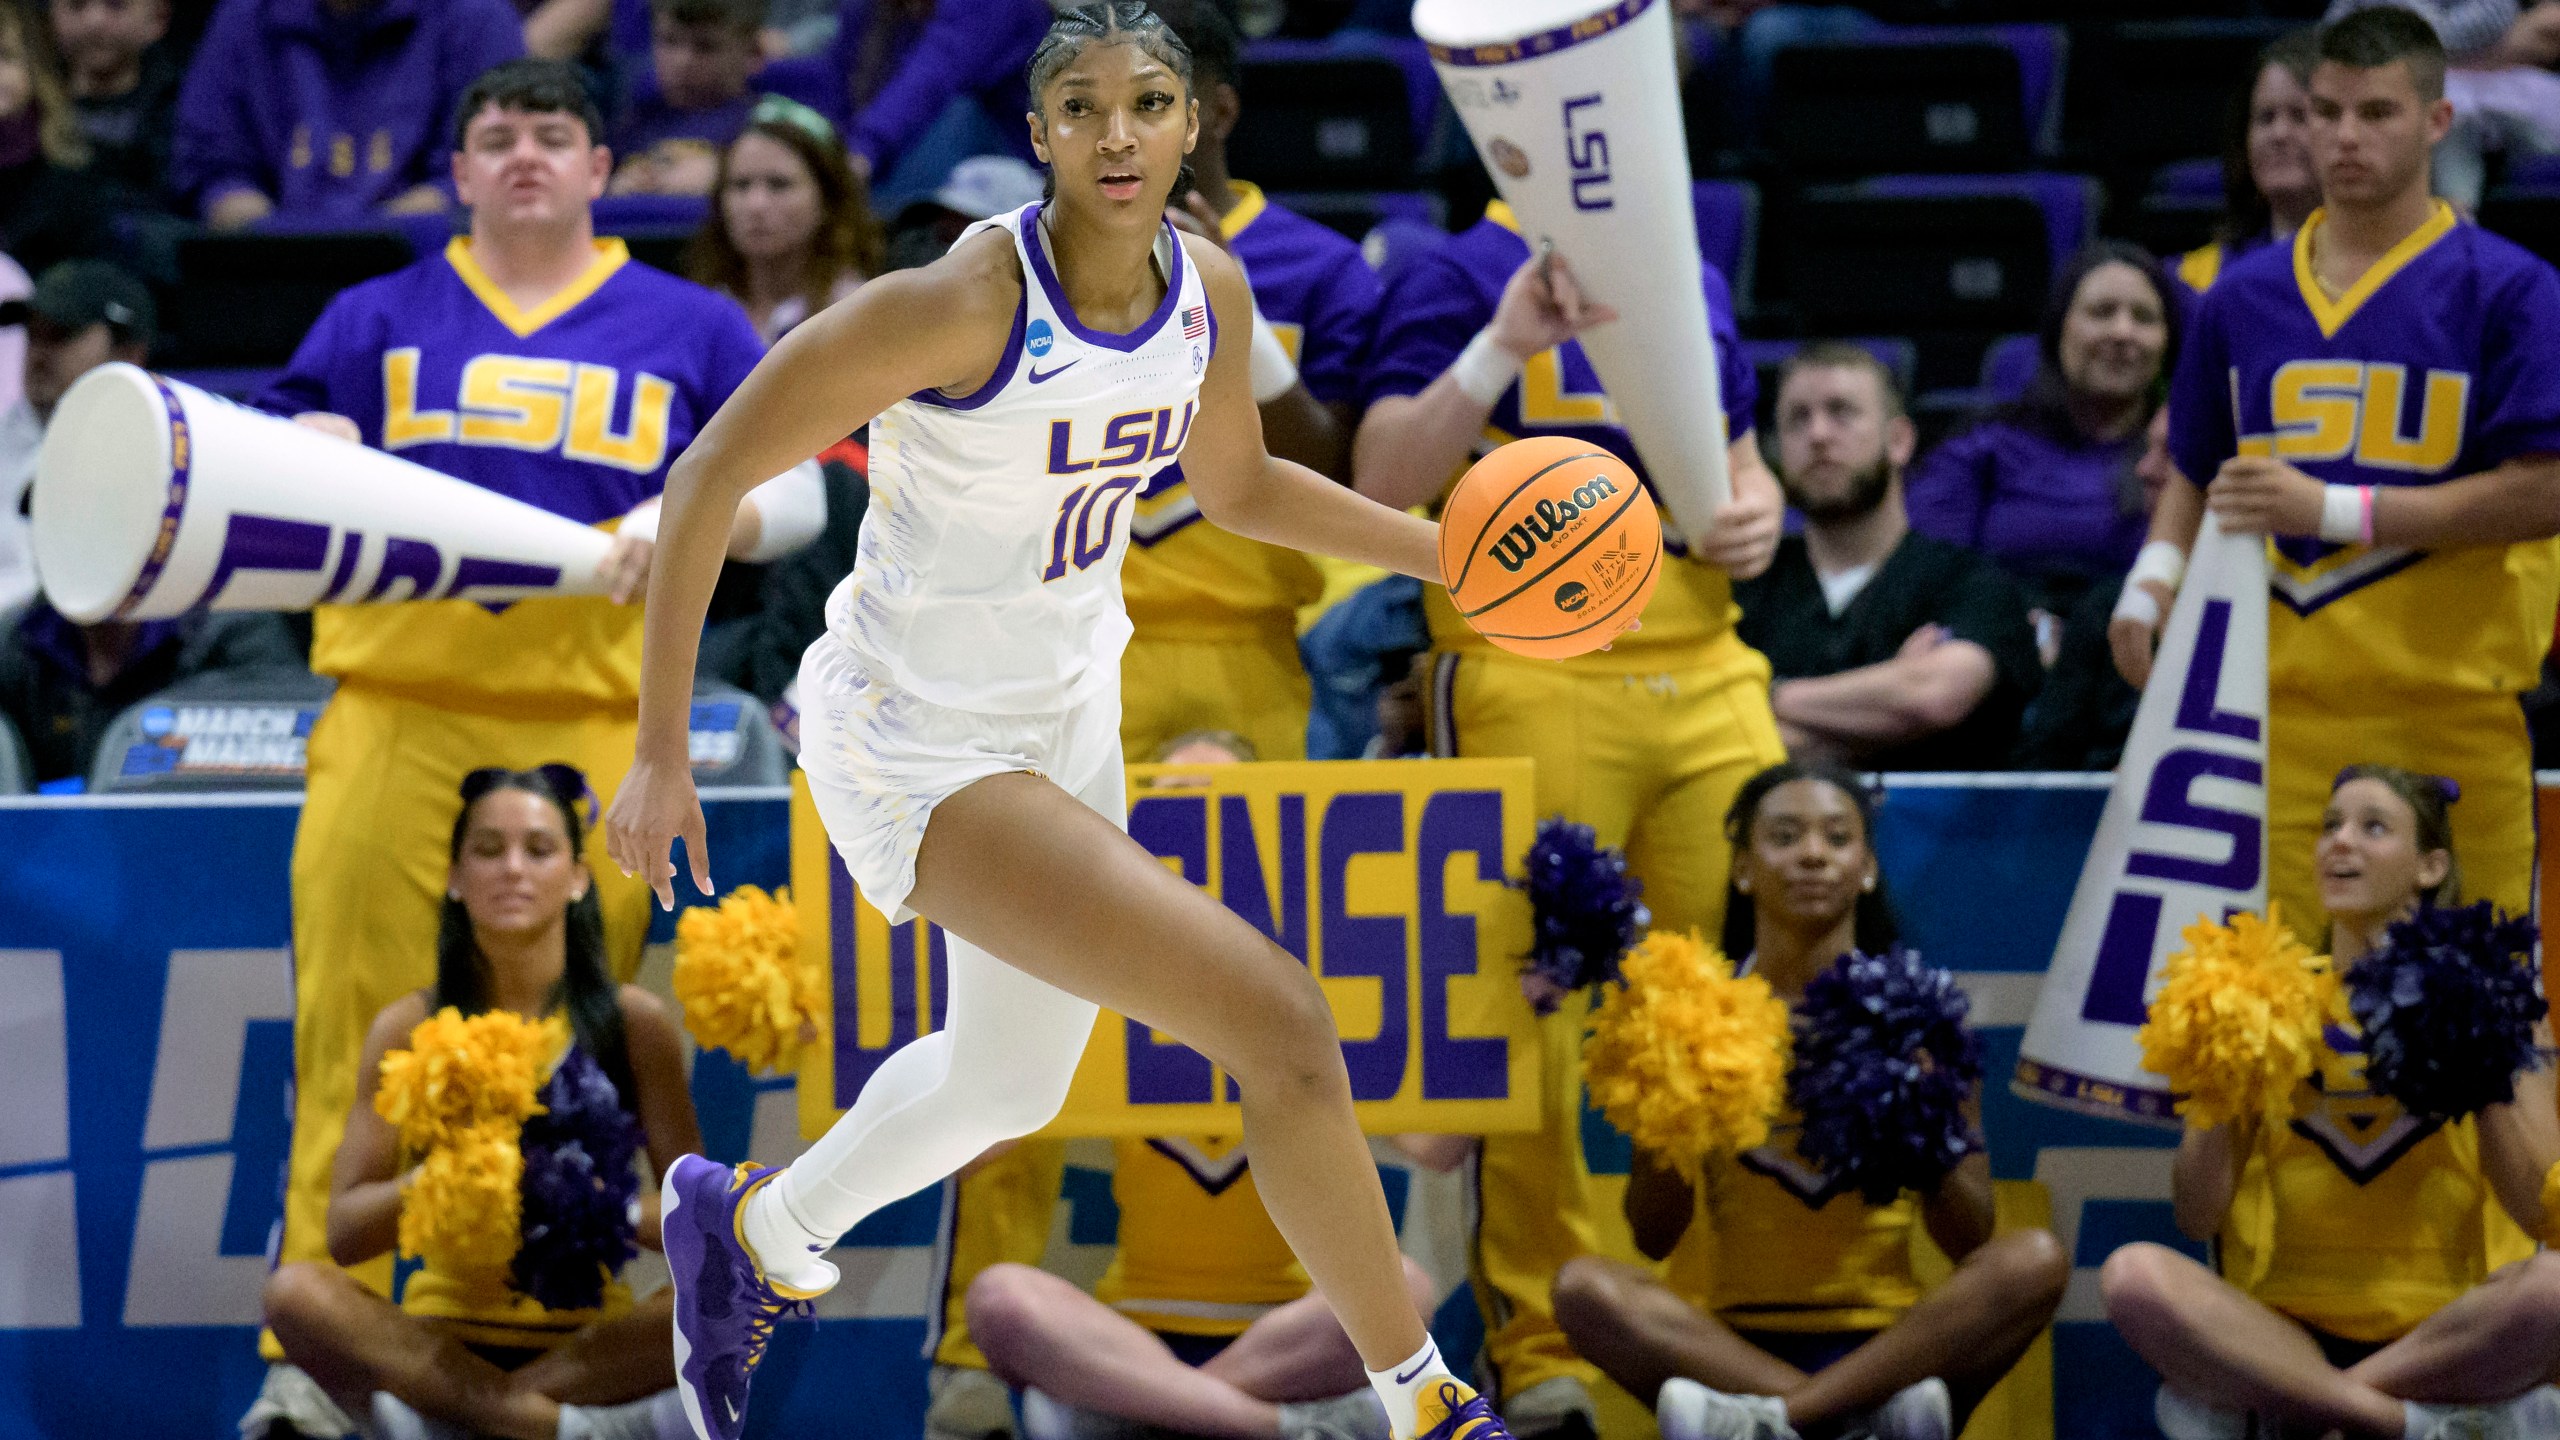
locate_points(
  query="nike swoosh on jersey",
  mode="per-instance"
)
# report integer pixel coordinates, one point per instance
(1038, 375)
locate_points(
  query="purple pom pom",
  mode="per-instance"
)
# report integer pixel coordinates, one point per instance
(578, 1187)
(1587, 909)
(1884, 1067)
(2448, 1005)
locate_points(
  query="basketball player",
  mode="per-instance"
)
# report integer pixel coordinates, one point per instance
(1215, 614)
(2396, 377)
(1647, 742)
(532, 359)
(960, 717)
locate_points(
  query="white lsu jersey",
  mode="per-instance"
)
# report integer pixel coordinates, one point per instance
(988, 574)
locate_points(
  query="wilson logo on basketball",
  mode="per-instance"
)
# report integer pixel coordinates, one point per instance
(1515, 547)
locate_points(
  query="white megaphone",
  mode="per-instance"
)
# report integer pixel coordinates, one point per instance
(1576, 113)
(153, 498)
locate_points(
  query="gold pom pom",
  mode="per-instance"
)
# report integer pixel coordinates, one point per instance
(1686, 1058)
(741, 979)
(457, 1074)
(462, 1213)
(2236, 1023)
(2551, 1208)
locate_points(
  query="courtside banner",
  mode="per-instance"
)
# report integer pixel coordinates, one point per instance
(1387, 877)
(1574, 106)
(2183, 837)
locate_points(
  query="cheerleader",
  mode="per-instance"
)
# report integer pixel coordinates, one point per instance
(521, 932)
(2358, 1285)
(1793, 1310)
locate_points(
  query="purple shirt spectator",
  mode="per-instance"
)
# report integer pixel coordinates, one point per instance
(2053, 512)
(651, 121)
(330, 114)
(899, 79)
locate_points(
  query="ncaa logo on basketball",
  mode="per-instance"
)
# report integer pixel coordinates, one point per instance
(1038, 339)
(1515, 547)
(1572, 595)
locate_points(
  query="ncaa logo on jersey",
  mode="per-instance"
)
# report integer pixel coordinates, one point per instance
(1038, 339)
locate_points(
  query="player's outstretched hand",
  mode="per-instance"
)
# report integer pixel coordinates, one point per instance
(1744, 538)
(656, 806)
(2261, 495)
(1543, 306)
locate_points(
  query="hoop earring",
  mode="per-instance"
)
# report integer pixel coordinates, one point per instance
(1869, 884)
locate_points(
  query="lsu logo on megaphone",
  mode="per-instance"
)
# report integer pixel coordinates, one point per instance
(1547, 522)
(405, 568)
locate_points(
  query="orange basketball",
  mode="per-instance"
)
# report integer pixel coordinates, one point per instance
(1550, 546)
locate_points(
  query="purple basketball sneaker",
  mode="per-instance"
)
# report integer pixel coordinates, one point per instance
(725, 1307)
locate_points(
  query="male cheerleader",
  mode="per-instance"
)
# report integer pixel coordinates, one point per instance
(2396, 378)
(1646, 742)
(540, 362)
(1215, 615)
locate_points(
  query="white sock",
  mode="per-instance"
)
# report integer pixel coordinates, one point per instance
(2421, 1420)
(786, 1246)
(657, 1417)
(1400, 1386)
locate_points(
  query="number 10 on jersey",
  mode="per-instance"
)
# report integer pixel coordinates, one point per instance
(1085, 521)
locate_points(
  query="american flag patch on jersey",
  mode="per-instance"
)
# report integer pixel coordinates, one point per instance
(1195, 322)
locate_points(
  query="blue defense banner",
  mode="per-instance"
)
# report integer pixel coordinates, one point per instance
(1387, 878)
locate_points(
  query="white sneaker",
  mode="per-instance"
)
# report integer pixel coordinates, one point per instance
(968, 1404)
(1924, 1411)
(2183, 1417)
(1687, 1410)
(2534, 1415)
(394, 1420)
(1352, 1415)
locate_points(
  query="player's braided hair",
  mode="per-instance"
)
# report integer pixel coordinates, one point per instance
(1113, 22)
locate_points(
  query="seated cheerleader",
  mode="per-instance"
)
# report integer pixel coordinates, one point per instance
(1205, 1324)
(476, 1355)
(1813, 1324)
(2360, 1290)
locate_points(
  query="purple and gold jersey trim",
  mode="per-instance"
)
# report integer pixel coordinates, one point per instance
(2330, 314)
(181, 458)
(1037, 248)
(611, 255)
(1545, 42)
(2308, 573)
(996, 381)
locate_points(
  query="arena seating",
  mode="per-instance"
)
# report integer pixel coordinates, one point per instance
(732, 739)
(1955, 98)
(232, 730)
(1336, 120)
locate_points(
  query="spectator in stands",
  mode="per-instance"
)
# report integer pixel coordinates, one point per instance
(2369, 1258)
(83, 314)
(124, 88)
(791, 230)
(532, 301)
(63, 683)
(2504, 98)
(934, 81)
(695, 101)
(2080, 719)
(330, 112)
(2268, 185)
(520, 931)
(978, 187)
(1794, 1309)
(48, 212)
(1892, 650)
(1205, 1324)
(2045, 485)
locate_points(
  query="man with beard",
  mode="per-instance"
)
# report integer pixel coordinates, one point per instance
(1891, 650)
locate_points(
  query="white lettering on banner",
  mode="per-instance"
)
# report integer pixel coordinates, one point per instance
(2077, 1175)
(178, 1274)
(2183, 836)
(39, 1216)
(35, 1067)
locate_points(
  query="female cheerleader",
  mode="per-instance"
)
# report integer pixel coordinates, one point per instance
(1812, 1323)
(521, 932)
(960, 717)
(2359, 1289)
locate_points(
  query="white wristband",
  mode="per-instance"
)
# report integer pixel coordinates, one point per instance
(1484, 369)
(2136, 603)
(2343, 514)
(641, 523)
(1273, 373)
(2160, 560)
